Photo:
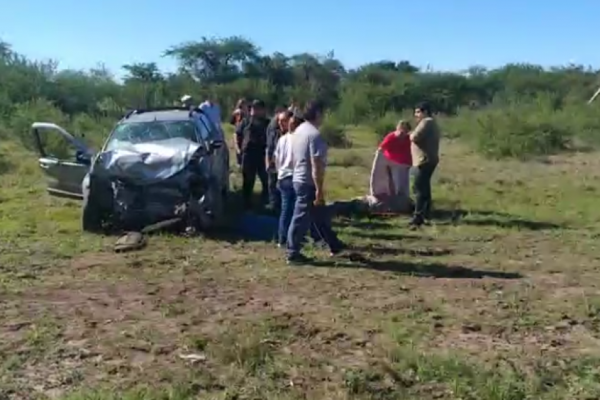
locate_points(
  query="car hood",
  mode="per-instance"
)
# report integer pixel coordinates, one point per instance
(147, 163)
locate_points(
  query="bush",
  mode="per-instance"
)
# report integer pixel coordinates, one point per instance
(508, 135)
(384, 125)
(93, 130)
(334, 133)
(39, 110)
(584, 122)
(517, 129)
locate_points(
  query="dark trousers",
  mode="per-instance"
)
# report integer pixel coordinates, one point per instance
(274, 194)
(306, 213)
(253, 164)
(422, 191)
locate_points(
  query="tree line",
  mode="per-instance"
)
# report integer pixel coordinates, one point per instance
(227, 69)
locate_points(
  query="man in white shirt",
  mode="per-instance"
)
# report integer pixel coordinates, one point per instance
(283, 165)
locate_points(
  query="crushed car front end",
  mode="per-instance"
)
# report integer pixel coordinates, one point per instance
(149, 184)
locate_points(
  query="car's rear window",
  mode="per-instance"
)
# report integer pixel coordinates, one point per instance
(129, 133)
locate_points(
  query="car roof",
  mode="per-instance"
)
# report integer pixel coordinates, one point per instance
(160, 115)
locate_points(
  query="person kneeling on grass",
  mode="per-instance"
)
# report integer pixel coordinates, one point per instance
(395, 147)
(390, 174)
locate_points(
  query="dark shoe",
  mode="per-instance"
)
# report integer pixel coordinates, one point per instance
(298, 260)
(414, 224)
(320, 244)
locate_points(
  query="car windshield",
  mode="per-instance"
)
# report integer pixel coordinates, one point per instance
(128, 133)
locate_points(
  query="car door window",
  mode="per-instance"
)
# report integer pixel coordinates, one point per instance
(208, 131)
(64, 159)
(55, 145)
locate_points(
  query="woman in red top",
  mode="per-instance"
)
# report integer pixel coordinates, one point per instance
(395, 149)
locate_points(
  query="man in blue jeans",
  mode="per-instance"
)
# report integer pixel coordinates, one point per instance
(309, 154)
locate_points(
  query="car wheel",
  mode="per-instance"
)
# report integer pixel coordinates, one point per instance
(91, 216)
(218, 208)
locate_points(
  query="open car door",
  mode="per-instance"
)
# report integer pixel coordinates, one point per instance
(64, 159)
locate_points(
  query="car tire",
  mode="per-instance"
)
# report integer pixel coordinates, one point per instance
(91, 214)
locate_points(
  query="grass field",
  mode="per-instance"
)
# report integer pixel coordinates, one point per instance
(498, 299)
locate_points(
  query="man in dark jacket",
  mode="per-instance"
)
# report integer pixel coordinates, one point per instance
(251, 136)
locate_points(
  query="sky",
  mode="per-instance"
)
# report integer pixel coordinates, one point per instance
(443, 34)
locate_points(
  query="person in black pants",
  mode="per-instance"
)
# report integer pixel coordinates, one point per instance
(238, 115)
(251, 137)
(425, 146)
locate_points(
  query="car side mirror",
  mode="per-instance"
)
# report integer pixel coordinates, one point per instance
(83, 158)
(215, 145)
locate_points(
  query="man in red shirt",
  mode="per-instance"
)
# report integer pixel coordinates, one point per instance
(394, 157)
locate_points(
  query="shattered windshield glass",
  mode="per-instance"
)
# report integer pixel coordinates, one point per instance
(130, 133)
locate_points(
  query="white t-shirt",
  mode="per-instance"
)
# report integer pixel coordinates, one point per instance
(283, 157)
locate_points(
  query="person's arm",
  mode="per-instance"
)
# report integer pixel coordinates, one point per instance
(275, 157)
(239, 136)
(271, 142)
(420, 130)
(385, 143)
(318, 154)
(234, 118)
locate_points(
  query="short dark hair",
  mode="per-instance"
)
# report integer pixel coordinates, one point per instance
(296, 120)
(258, 104)
(279, 109)
(313, 109)
(424, 107)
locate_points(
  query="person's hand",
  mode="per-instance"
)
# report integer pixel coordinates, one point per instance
(319, 199)
(399, 132)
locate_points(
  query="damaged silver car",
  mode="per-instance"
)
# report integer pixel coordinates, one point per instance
(157, 165)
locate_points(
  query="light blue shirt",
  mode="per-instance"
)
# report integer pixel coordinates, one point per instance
(213, 111)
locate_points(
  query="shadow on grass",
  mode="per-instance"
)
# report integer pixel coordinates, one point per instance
(383, 236)
(393, 251)
(363, 224)
(425, 270)
(489, 218)
(360, 220)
